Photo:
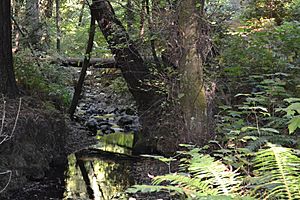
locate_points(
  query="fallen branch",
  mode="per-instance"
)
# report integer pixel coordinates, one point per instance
(91, 153)
(93, 62)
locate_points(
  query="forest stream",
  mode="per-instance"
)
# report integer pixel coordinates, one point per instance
(106, 168)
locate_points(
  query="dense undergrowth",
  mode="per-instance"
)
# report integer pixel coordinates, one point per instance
(49, 82)
(256, 152)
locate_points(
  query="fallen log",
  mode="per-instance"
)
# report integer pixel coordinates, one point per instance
(94, 62)
(91, 153)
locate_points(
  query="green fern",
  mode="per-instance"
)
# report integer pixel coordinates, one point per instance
(153, 188)
(215, 173)
(277, 173)
(205, 178)
(190, 186)
(257, 142)
(292, 112)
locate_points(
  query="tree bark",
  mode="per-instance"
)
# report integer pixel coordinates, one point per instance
(194, 103)
(151, 30)
(133, 68)
(85, 65)
(32, 22)
(153, 137)
(129, 16)
(7, 78)
(57, 22)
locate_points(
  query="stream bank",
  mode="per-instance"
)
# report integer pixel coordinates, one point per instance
(35, 143)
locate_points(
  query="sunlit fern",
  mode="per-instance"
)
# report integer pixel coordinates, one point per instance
(221, 178)
(206, 178)
(277, 174)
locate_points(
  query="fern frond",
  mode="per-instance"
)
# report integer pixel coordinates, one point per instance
(255, 144)
(194, 184)
(205, 168)
(153, 188)
(182, 191)
(206, 178)
(277, 171)
(277, 139)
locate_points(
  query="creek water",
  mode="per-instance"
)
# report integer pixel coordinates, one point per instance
(104, 170)
(100, 172)
(92, 175)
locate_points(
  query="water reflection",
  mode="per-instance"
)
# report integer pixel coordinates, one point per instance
(93, 177)
(116, 142)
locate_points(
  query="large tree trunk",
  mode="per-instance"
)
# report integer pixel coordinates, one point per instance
(164, 127)
(193, 102)
(32, 22)
(7, 78)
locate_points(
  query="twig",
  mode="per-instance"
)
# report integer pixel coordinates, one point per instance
(9, 136)
(3, 116)
(17, 117)
(9, 179)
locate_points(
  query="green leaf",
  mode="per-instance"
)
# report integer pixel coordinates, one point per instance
(294, 123)
(237, 95)
(294, 106)
(246, 128)
(292, 100)
(276, 174)
(253, 108)
(248, 137)
(180, 95)
(270, 130)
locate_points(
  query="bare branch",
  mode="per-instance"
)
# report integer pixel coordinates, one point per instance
(7, 136)
(9, 179)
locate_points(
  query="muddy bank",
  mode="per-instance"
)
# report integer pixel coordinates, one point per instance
(35, 143)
